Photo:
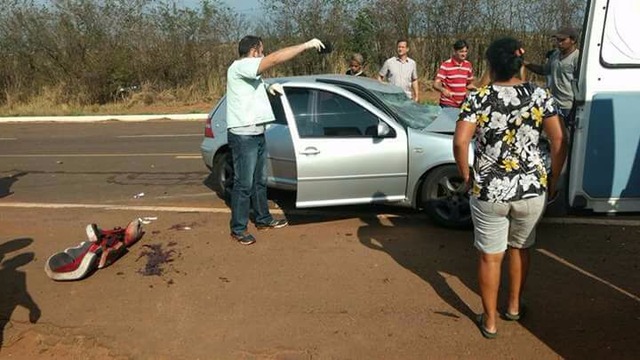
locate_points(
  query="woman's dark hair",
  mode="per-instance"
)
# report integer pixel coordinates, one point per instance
(504, 59)
(247, 43)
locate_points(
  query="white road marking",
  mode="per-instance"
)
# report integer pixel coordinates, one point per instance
(8, 139)
(158, 136)
(189, 157)
(94, 118)
(95, 155)
(27, 205)
(584, 272)
(113, 207)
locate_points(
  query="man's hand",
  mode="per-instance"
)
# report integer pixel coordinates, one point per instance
(314, 43)
(275, 89)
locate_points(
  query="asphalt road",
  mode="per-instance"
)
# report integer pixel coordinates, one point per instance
(109, 163)
(106, 163)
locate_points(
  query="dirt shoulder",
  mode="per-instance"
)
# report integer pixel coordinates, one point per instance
(327, 287)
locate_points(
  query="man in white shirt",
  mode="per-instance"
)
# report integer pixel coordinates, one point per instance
(248, 110)
(401, 71)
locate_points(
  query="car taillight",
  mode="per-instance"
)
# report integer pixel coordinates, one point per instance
(208, 131)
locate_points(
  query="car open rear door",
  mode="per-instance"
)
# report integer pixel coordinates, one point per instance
(604, 172)
(347, 151)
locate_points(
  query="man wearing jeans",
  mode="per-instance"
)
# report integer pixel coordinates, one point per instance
(248, 110)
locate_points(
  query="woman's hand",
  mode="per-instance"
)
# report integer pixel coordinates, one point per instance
(552, 192)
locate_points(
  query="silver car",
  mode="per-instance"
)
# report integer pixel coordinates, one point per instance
(341, 140)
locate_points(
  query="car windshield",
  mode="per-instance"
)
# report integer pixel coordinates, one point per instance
(411, 114)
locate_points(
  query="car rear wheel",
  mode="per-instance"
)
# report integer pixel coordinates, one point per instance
(445, 199)
(222, 172)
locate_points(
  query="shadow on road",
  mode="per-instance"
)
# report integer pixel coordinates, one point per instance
(434, 254)
(13, 284)
(286, 201)
(583, 292)
(7, 182)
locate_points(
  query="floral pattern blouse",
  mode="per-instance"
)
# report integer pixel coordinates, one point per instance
(508, 164)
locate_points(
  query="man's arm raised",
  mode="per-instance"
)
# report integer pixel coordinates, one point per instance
(288, 53)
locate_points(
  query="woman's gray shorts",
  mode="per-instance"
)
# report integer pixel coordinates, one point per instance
(497, 224)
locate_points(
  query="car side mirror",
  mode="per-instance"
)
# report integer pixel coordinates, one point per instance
(384, 130)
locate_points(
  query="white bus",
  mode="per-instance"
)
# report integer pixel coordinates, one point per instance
(604, 164)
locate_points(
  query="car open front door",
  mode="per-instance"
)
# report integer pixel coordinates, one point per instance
(347, 151)
(604, 172)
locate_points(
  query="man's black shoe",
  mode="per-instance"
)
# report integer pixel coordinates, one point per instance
(273, 224)
(244, 238)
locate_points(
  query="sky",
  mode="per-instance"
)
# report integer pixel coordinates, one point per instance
(246, 7)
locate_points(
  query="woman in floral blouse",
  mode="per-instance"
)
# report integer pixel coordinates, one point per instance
(510, 184)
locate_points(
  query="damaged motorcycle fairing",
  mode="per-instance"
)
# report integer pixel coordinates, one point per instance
(102, 249)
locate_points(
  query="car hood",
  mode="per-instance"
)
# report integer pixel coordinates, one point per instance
(445, 122)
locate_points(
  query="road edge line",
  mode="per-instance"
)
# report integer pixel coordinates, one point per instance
(100, 118)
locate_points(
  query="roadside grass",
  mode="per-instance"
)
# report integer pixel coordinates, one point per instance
(142, 101)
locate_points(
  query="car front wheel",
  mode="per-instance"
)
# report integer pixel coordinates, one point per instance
(445, 199)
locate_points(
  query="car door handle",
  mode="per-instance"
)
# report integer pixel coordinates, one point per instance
(310, 151)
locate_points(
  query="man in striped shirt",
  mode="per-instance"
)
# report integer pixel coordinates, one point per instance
(455, 77)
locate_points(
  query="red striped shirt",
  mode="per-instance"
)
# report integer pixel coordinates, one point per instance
(455, 76)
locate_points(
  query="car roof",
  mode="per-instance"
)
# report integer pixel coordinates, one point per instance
(368, 83)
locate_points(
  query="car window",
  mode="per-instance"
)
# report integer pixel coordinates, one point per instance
(278, 110)
(321, 113)
(219, 115)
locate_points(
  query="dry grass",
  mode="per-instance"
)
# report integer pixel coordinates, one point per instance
(52, 102)
(131, 108)
(186, 100)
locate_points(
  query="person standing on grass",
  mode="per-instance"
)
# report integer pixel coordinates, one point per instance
(455, 77)
(509, 185)
(401, 71)
(248, 110)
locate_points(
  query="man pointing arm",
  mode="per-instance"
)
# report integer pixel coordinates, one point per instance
(248, 110)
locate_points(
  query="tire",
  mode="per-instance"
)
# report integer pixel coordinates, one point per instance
(222, 173)
(444, 197)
